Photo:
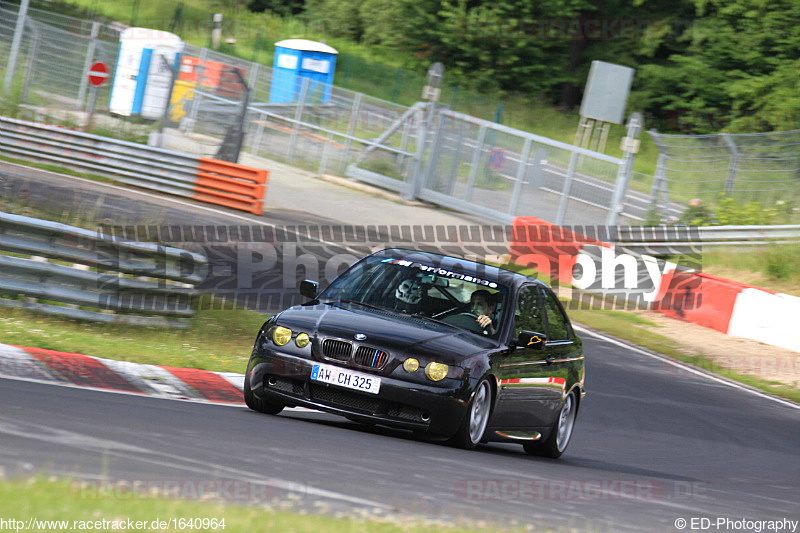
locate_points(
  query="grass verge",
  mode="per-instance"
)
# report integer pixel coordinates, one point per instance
(775, 267)
(217, 339)
(44, 500)
(56, 168)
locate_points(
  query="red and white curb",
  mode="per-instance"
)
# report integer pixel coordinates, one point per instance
(37, 364)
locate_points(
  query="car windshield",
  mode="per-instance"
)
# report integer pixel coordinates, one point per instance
(462, 300)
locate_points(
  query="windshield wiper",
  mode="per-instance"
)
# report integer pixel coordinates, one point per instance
(436, 320)
(344, 301)
(415, 315)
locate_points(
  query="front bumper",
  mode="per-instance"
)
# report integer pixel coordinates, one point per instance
(436, 409)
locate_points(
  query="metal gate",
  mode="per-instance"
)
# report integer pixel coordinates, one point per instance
(481, 167)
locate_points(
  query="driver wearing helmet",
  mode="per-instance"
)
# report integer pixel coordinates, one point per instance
(481, 303)
(408, 295)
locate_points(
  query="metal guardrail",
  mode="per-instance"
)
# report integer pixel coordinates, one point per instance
(665, 240)
(108, 280)
(134, 164)
(165, 171)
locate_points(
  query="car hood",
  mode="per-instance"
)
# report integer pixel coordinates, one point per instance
(384, 329)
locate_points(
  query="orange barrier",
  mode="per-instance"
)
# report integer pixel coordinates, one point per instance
(231, 185)
(213, 74)
(550, 249)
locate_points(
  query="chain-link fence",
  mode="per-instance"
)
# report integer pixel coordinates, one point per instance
(54, 55)
(751, 167)
(421, 151)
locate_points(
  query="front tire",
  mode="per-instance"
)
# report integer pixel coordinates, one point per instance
(561, 433)
(256, 404)
(472, 429)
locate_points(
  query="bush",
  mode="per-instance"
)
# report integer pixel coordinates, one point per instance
(727, 211)
(697, 215)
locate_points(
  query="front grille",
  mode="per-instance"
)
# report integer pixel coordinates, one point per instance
(335, 349)
(371, 357)
(353, 400)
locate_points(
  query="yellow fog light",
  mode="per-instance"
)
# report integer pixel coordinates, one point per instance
(302, 340)
(411, 365)
(436, 371)
(281, 335)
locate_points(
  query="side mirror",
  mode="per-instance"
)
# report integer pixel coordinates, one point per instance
(532, 339)
(309, 288)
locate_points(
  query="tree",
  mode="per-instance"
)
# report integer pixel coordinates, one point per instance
(380, 21)
(735, 66)
(279, 7)
(337, 18)
(701, 65)
(511, 45)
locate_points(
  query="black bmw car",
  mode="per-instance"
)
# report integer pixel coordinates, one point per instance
(431, 343)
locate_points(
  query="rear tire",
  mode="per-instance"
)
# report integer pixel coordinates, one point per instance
(561, 433)
(473, 428)
(256, 404)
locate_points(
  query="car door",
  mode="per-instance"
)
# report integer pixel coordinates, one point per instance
(531, 378)
(564, 348)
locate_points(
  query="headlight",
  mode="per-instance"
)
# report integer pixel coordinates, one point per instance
(436, 371)
(281, 335)
(410, 365)
(302, 340)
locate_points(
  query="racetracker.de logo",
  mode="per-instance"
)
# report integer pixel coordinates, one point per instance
(575, 490)
(220, 490)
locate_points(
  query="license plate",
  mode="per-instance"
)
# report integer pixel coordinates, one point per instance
(346, 378)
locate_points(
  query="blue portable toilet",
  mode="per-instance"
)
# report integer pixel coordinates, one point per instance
(296, 59)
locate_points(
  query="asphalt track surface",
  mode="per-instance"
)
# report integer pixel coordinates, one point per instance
(655, 442)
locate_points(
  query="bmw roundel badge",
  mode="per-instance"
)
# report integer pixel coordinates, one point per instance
(360, 336)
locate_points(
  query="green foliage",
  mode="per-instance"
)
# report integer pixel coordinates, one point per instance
(782, 262)
(702, 65)
(338, 18)
(735, 66)
(727, 211)
(775, 266)
(380, 19)
(497, 45)
(278, 7)
(730, 212)
(697, 215)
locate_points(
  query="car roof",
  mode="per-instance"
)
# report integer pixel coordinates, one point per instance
(465, 266)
